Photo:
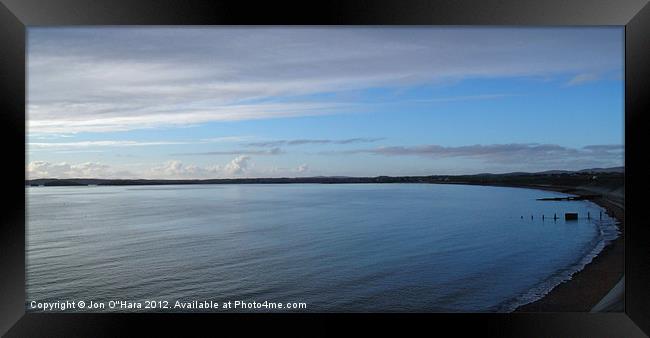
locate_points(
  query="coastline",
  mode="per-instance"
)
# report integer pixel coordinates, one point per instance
(588, 286)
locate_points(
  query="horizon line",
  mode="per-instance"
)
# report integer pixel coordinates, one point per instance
(559, 171)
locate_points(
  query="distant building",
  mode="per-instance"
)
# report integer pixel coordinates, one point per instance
(570, 216)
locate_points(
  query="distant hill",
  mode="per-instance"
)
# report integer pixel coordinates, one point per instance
(555, 172)
(603, 170)
(559, 172)
(609, 177)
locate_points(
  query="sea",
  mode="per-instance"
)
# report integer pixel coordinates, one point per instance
(302, 247)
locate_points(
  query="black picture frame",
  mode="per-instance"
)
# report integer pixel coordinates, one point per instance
(16, 15)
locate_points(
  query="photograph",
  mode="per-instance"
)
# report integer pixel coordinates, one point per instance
(325, 169)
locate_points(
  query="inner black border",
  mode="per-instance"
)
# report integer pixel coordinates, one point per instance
(15, 15)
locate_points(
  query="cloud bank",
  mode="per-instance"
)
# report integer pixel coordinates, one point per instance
(272, 151)
(173, 169)
(176, 169)
(44, 169)
(312, 141)
(514, 155)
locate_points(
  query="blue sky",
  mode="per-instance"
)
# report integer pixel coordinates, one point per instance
(214, 102)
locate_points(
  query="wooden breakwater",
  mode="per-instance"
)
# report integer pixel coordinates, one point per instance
(571, 216)
(568, 216)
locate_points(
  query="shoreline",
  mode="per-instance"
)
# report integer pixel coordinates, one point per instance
(590, 285)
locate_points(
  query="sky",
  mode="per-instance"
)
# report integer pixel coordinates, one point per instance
(222, 102)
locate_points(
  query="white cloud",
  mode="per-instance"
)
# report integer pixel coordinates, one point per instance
(172, 169)
(237, 166)
(125, 143)
(176, 169)
(108, 79)
(89, 144)
(302, 168)
(44, 169)
(58, 120)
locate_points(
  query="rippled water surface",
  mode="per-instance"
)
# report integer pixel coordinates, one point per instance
(356, 247)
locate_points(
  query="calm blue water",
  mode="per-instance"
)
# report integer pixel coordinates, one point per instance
(356, 247)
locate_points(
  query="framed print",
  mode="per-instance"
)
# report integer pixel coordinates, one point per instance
(468, 165)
